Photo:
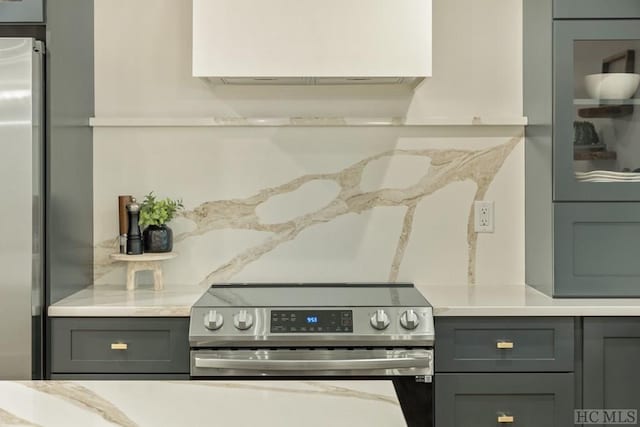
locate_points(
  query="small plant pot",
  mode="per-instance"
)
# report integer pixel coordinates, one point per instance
(157, 239)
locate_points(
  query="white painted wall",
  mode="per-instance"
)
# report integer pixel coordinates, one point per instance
(143, 69)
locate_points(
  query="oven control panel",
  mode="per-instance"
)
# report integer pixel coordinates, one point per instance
(214, 327)
(320, 321)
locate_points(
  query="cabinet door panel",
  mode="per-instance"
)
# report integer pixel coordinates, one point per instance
(611, 353)
(596, 250)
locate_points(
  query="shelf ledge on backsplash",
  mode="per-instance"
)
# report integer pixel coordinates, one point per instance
(302, 121)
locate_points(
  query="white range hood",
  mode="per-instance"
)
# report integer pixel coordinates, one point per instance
(309, 42)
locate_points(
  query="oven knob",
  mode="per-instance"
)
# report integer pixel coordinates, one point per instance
(409, 319)
(213, 320)
(380, 320)
(243, 320)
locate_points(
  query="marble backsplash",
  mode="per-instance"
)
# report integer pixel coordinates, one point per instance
(335, 204)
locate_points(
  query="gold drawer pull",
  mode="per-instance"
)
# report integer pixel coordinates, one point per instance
(505, 418)
(119, 346)
(502, 345)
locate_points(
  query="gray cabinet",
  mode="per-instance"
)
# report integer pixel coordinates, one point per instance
(119, 346)
(611, 375)
(596, 249)
(488, 400)
(506, 344)
(18, 11)
(582, 158)
(504, 371)
(576, 9)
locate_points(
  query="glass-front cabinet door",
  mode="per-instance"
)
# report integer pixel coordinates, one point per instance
(596, 136)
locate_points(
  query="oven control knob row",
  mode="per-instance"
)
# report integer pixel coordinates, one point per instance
(242, 320)
(409, 319)
(380, 320)
(213, 320)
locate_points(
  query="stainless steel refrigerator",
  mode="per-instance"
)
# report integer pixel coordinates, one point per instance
(21, 208)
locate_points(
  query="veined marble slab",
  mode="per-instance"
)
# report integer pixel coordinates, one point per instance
(508, 300)
(198, 403)
(341, 205)
(116, 301)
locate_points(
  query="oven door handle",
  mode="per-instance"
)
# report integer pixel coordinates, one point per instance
(408, 361)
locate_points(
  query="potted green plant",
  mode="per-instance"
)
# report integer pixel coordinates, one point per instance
(154, 215)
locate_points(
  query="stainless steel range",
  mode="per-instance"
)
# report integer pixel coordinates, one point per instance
(318, 331)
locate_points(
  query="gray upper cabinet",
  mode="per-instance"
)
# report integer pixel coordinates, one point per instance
(577, 9)
(596, 115)
(17, 11)
(611, 377)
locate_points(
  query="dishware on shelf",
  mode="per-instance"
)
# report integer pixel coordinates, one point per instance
(607, 176)
(612, 85)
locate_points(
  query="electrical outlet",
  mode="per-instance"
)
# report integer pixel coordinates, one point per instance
(484, 216)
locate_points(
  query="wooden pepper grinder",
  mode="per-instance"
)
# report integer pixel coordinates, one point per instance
(134, 238)
(123, 222)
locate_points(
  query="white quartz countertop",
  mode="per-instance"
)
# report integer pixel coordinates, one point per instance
(198, 403)
(511, 300)
(116, 301)
(520, 301)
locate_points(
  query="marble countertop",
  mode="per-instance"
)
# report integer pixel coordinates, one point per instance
(116, 301)
(519, 300)
(198, 403)
(513, 300)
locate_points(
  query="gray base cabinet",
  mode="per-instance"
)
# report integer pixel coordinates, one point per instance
(611, 377)
(504, 371)
(506, 344)
(138, 347)
(487, 400)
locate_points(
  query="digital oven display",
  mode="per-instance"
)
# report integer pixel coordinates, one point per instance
(322, 321)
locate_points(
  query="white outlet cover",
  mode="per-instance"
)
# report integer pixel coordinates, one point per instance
(483, 216)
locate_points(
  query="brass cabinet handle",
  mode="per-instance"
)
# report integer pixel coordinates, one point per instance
(119, 346)
(505, 418)
(502, 345)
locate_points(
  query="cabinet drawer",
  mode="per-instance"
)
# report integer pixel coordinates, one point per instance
(567, 9)
(120, 345)
(505, 344)
(490, 400)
